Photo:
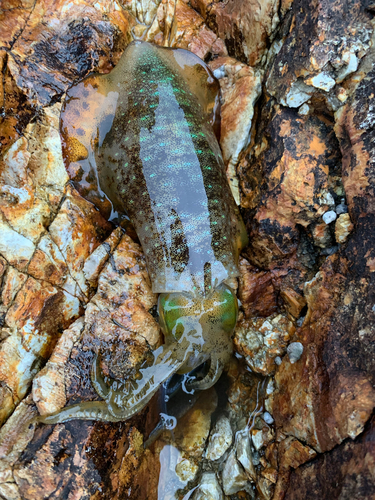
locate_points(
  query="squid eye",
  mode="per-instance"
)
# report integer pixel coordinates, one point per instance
(172, 308)
(224, 310)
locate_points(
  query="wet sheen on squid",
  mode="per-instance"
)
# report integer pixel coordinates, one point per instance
(158, 160)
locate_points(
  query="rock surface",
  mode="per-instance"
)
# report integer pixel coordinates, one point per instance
(294, 415)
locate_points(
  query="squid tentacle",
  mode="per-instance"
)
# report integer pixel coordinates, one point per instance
(169, 359)
(213, 375)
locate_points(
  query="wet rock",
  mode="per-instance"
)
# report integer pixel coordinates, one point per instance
(266, 488)
(244, 453)
(13, 281)
(329, 216)
(234, 478)
(294, 350)
(193, 428)
(209, 488)
(261, 437)
(240, 88)
(17, 249)
(343, 228)
(328, 42)
(278, 183)
(342, 208)
(293, 301)
(35, 318)
(334, 377)
(66, 377)
(245, 27)
(178, 25)
(48, 386)
(267, 418)
(15, 434)
(260, 341)
(321, 234)
(350, 392)
(220, 439)
(186, 470)
(257, 290)
(95, 262)
(346, 472)
(77, 230)
(270, 473)
(89, 468)
(76, 39)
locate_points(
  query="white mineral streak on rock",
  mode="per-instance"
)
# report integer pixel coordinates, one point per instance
(294, 350)
(234, 477)
(329, 216)
(241, 87)
(49, 385)
(322, 81)
(220, 439)
(209, 488)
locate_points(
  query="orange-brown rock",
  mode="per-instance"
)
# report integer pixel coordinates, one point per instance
(57, 252)
(116, 316)
(37, 315)
(345, 473)
(85, 43)
(79, 460)
(13, 281)
(292, 454)
(321, 234)
(116, 323)
(246, 27)
(240, 89)
(257, 291)
(323, 398)
(293, 301)
(176, 24)
(294, 191)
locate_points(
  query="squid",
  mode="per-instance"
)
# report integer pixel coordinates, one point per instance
(153, 141)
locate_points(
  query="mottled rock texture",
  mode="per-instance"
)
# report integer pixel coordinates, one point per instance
(297, 81)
